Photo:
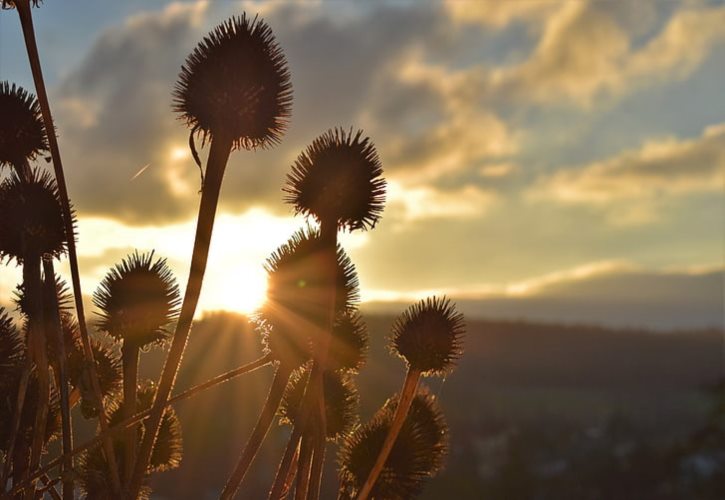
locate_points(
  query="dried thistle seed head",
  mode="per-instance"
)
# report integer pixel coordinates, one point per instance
(341, 401)
(12, 350)
(338, 179)
(32, 217)
(236, 82)
(108, 367)
(349, 343)
(95, 480)
(167, 451)
(429, 336)
(138, 299)
(22, 133)
(27, 417)
(297, 292)
(418, 453)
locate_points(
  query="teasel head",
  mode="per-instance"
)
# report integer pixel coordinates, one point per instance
(429, 336)
(166, 455)
(348, 344)
(22, 133)
(138, 300)
(236, 82)
(337, 180)
(341, 401)
(296, 293)
(32, 219)
(108, 367)
(168, 448)
(417, 455)
(12, 351)
(8, 404)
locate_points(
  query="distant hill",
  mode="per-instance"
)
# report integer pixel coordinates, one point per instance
(623, 298)
(511, 372)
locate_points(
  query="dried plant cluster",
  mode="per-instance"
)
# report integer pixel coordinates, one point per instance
(234, 92)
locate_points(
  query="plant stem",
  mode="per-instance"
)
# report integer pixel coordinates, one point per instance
(318, 462)
(129, 357)
(304, 464)
(284, 470)
(15, 429)
(313, 401)
(26, 21)
(407, 394)
(124, 424)
(38, 350)
(291, 473)
(220, 149)
(53, 322)
(266, 416)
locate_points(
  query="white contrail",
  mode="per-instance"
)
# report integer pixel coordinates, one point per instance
(143, 169)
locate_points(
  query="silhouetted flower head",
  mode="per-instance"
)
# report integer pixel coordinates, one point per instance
(338, 179)
(418, 453)
(236, 83)
(27, 427)
(296, 295)
(108, 368)
(341, 401)
(138, 300)
(349, 343)
(22, 133)
(12, 350)
(428, 335)
(166, 454)
(32, 220)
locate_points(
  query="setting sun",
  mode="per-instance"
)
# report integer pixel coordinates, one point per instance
(242, 288)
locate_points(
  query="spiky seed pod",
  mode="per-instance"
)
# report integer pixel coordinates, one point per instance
(22, 133)
(349, 343)
(138, 299)
(341, 401)
(32, 218)
(27, 429)
(418, 453)
(236, 82)
(168, 448)
(12, 349)
(166, 455)
(108, 367)
(296, 295)
(64, 300)
(429, 336)
(338, 179)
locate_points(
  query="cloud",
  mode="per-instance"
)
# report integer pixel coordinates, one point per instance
(666, 167)
(408, 204)
(495, 13)
(585, 53)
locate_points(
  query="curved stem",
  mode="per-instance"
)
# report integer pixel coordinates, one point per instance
(220, 149)
(53, 322)
(318, 462)
(124, 424)
(26, 21)
(266, 416)
(278, 489)
(129, 357)
(304, 465)
(17, 415)
(39, 354)
(401, 411)
(313, 401)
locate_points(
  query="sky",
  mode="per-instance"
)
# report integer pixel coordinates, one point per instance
(535, 150)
